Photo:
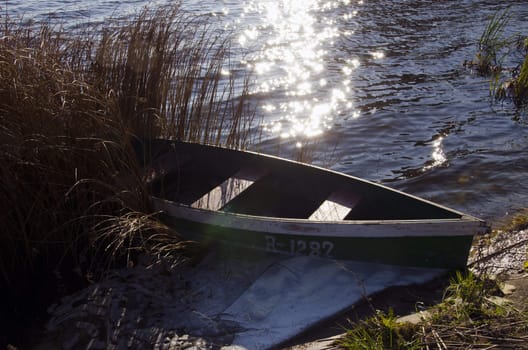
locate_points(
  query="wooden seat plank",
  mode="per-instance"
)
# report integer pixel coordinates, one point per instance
(336, 207)
(229, 189)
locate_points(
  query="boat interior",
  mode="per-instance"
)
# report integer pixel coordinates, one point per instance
(247, 183)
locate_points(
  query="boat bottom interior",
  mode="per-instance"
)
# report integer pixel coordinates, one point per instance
(244, 183)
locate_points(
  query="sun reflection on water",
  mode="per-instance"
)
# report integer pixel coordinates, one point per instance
(438, 157)
(289, 43)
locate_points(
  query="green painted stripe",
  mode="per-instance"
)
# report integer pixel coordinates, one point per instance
(450, 252)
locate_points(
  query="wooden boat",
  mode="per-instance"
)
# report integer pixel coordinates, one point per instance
(281, 206)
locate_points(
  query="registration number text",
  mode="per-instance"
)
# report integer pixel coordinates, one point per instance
(310, 247)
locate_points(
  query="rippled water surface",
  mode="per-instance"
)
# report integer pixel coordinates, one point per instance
(379, 86)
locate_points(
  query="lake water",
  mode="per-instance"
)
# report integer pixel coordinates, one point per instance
(379, 86)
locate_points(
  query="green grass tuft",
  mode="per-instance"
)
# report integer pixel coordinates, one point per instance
(493, 47)
(381, 331)
(489, 58)
(473, 314)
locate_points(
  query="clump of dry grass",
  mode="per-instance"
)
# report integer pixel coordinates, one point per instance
(472, 315)
(170, 75)
(61, 155)
(73, 195)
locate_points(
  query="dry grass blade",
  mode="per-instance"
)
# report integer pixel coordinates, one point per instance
(440, 343)
(127, 237)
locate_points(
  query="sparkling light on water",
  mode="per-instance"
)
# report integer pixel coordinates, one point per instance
(289, 42)
(438, 156)
(288, 47)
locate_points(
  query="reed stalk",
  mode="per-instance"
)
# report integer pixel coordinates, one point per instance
(492, 49)
(489, 58)
(166, 71)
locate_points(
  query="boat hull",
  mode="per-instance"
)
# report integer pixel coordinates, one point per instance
(441, 243)
(261, 202)
(432, 251)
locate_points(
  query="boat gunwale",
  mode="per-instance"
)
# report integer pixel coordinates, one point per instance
(296, 226)
(472, 225)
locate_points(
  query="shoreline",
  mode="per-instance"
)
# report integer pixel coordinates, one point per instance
(403, 300)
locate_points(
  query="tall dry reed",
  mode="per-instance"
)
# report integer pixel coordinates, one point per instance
(74, 200)
(169, 73)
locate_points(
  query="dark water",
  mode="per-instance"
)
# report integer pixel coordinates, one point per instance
(435, 131)
(379, 86)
